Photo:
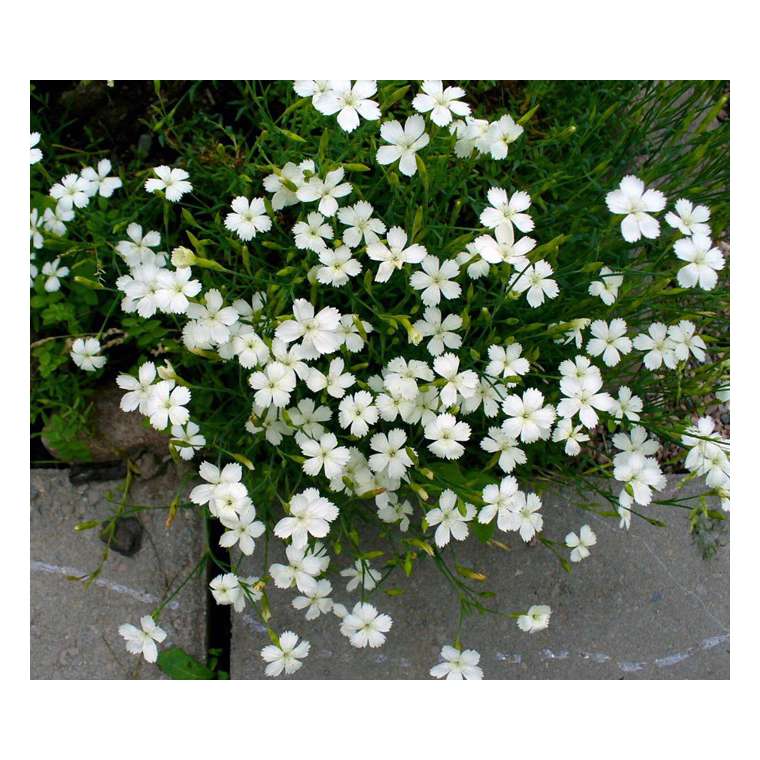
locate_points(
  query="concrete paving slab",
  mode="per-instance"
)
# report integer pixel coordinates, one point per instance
(645, 605)
(74, 631)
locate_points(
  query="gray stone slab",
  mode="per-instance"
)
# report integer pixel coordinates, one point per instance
(645, 605)
(74, 631)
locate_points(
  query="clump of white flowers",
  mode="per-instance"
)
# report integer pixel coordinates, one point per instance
(371, 379)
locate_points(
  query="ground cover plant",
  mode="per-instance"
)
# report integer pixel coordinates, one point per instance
(402, 309)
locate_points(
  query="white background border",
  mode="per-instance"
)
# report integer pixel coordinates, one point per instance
(494, 40)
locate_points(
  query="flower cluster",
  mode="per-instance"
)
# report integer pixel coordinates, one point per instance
(381, 371)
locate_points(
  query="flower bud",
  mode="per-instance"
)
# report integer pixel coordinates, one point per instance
(183, 257)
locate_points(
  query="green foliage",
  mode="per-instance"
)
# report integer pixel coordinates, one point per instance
(64, 432)
(580, 139)
(181, 666)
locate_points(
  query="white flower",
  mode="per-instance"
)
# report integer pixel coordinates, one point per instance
(215, 318)
(439, 330)
(609, 341)
(337, 266)
(270, 423)
(573, 436)
(440, 102)
(502, 249)
(311, 88)
(436, 280)
(216, 482)
(500, 135)
(640, 474)
(391, 457)
(360, 224)
(251, 350)
(499, 502)
(141, 290)
(489, 394)
(528, 520)
(325, 191)
(448, 518)
(188, 436)
(689, 219)
(607, 287)
(71, 191)
(242, 529)
(535, 619)
(335, 382)
(175, 288)
(536, 280)
(349, 102)
(174, 182)
(472, 134)
(422, 409)
(583, 399)
(143, 640)
(579, 368)
(310, 515)
(477, 266)
(704, 261)
(658, 345)
(137, 250)
(505, 361)
(138, 388)
(273, 386)
(316, 603)
(85, 353)
(401, 377)
(446, 433)
(580, 544)
(458, 665)
(627, 405)
(507, 211)
(284, 183)
(167, 404)
(247, 218)
(459, 384)
(391, 510)
(404, 143)
(53, 272)
(632, 200)
(358, 412)
(684, 341)
(529, 418)
(319, 333)
(361, 572)
(311, 234)
(708, 455)
(35, 220)
(309, 418)
(323, 454)
(394, 254)
(301, 570)
(636, 443)
(574, 334)
(286, 655)
(226, 589)
(348, 329)
(100, 182)
(54, 220)
(510, 454)
(35, 154)
(365, 626)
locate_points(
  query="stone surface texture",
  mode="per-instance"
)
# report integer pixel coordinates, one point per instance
(644, 605)
(74, 631)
